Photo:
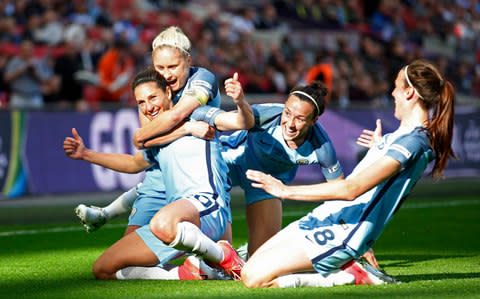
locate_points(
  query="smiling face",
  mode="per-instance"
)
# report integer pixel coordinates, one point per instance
(297, 119)
(151, 99)
(171, 63)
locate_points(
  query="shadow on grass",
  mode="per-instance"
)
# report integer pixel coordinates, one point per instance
(405, 260)
(436, 276)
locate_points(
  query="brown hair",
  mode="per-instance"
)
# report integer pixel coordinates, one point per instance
(318, 91)
(438, 94)
(149, 74)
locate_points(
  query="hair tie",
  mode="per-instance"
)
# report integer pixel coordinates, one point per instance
(308, 97)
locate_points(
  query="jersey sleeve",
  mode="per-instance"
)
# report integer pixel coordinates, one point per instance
(325, 152)
(206, 114)
(149, 155)
(267, 115)
(203, 86)
(408, 148)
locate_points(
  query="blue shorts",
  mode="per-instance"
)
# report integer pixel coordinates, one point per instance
(144, 208)
(252, 194)
(163, 252)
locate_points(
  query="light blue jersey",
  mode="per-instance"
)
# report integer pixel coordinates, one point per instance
(341, 228)
(151, 198)
(152, 191)
(264, 148)
(192, 169)
(213, 206)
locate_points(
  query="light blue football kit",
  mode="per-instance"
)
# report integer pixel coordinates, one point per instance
(340, 230)
(151, 194)
(151, 197)
(192, 168)
(263, 148)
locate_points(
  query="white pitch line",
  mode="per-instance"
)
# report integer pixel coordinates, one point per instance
(408, 205)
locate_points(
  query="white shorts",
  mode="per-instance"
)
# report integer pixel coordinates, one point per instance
(322, 241)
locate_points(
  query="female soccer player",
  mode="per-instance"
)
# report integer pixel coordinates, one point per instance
(190, 87)
(357, 209)
(197, 201)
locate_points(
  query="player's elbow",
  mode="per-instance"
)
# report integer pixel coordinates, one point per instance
(250, 123)
(351, 191)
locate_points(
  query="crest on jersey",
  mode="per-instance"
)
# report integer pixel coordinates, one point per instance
(302, 161)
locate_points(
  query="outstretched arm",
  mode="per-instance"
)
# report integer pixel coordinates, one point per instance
(348, 189)
(243, 118)
(75, 149)
(369, 138)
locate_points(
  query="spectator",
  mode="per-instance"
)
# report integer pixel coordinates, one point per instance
(115, 70)
(212, 22)
(50, 31)
(26, 75)
(67, 66)
(9, 32)
(268, 18)
(243, 23)
(4, 88)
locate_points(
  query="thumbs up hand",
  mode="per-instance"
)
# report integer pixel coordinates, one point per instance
(233, 88)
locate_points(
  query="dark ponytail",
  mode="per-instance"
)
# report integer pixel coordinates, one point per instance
(438, 94)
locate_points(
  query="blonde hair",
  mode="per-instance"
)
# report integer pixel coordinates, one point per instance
(172, 37)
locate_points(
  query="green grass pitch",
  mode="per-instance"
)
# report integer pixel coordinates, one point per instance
(432, 245)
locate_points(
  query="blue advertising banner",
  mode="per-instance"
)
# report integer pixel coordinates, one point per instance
(51, 171)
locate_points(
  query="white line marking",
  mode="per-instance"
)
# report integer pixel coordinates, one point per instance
(407, 205)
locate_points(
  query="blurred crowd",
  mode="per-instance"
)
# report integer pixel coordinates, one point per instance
(82, 54)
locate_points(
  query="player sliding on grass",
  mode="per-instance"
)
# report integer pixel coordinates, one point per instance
(357, 209)
(197, 201)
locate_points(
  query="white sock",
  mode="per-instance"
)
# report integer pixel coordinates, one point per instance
(315, 280)
(147, 273)
(121, 204)
(191, 239)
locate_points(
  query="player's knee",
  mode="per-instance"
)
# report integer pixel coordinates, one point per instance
(99, 271)
(163, 228)
(250, 277)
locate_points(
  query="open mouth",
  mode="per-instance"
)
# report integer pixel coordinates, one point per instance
(153, 115)
(289, 133)
(172, 83)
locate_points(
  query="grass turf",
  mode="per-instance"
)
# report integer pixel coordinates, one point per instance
(431, 245)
